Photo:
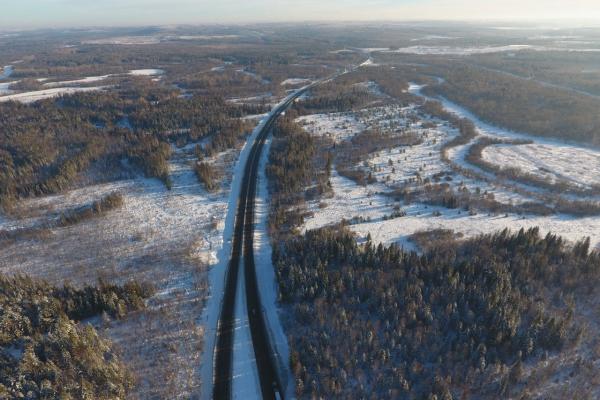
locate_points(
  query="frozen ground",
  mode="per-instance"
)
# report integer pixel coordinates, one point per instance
(126, 40)
(6, 72)
(295, 82)
(30, 97)
(337, 126)
(169, 238)
(4, 88)
(265, 271)
(55, 89)
(86, 80)
(397, 166)
(217, 273)
(553, 162)
(147, 72)
(351, 200)
(550, 154)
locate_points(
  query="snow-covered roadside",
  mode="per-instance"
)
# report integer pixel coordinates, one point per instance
(245, 383)
(217, 273)
(165, 237)
(266, 276)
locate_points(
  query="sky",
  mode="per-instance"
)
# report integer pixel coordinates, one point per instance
(15, 14)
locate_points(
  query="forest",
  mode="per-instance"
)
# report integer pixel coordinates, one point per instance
(47, 352)
(294, 165)
(459, 320)
(45, 146)
(521, 105)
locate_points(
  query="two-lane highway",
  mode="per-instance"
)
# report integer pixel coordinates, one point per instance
(243, 247)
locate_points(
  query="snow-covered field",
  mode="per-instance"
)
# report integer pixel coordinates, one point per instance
(337, 126)
(553, 162)
(147, 72)
(450, 50)
(55, 89)
(397, 166)
(169, 238)
(36, 95)
(544, 157)
(4, 88)
(89, 79)
(351, 200)
(7, 71)
(295, 82)
(126, 40)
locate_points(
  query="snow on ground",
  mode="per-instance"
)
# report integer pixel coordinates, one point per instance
(217, 272)
(126, 40)
(433, 37)
(553, 154)
(369, 63)
(265, 272)
(245, 383)
(397, 165)
(89, 79)
(295, 82)
(451, 50)
(30, 97)
(351, 200)
(338, 126)
(407, 162)
(462, 50)
(146, 72)
(552, 162)
(253, 75)
(6, 72)
(4, 88)
(373, 88)
(169, 238)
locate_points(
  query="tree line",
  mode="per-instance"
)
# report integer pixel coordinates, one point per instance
(46, 353)
(372, 321)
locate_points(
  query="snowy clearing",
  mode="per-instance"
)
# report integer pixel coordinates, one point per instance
(553, 162)
(450, 50)
(169, 238)
(30, 97)
(126, 40)
(6, 72)
(4, 88)
(146, 72)
(89, 79)
(414, 165)
(552, 155)
(295, 82)
(352, 200)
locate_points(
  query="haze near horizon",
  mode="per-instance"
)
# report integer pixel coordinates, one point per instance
(69, 13)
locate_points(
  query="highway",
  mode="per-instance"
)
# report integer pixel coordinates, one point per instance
(243, 250)
(242, 247)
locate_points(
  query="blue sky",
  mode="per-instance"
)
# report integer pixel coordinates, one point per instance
(53, 13)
